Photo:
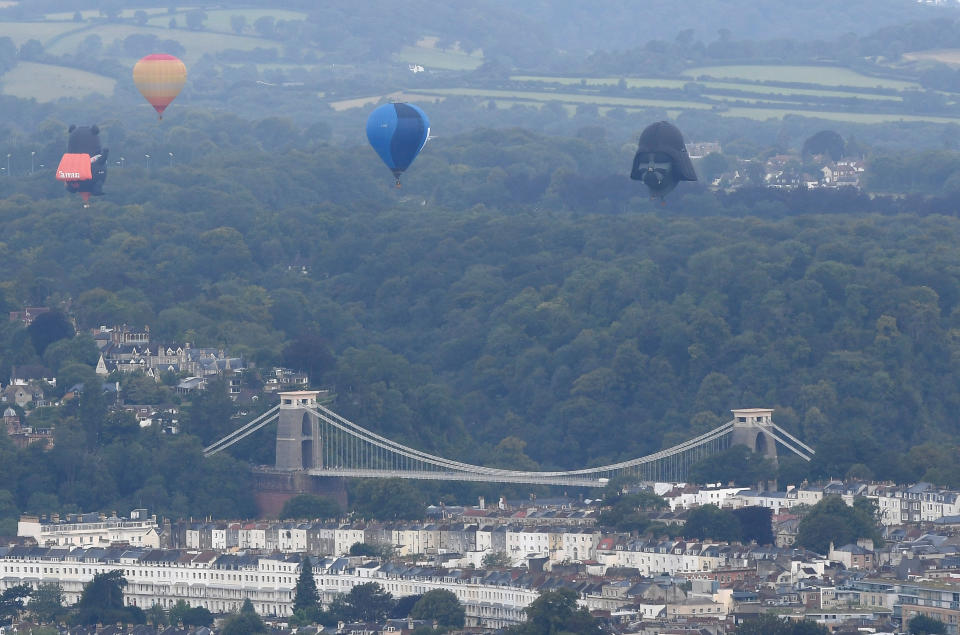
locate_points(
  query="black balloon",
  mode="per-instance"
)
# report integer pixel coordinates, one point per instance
(662, 160)
(86, 140)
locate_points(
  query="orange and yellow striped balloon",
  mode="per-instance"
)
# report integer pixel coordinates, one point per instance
(159, 78)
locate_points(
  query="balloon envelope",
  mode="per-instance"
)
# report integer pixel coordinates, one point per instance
(74, 167)
(83, 168)
(397, 132)
(661, 160)
(159, 78)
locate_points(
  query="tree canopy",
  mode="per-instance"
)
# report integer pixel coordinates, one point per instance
(46, 603)
(520, 303)
(442, 606)
(556, 612)
(833, 521)
(102, 602)
(308, 506)
(367, 602)
(767, 624)
(924, 625)
(12, 602)
(306, 598)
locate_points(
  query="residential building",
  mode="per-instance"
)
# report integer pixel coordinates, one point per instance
(91, 530)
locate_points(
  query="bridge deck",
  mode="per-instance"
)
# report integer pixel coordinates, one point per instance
(460, 476)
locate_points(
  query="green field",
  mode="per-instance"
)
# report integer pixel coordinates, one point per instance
(506, 98)
(45, 82)
(799, 92)
(675, 84)
(219, 19)
(359, 102)
(822, 75)
(762, 114)
(432, 58)
(786, 103)
(364, 102)
(632, 82)
(566, 98)
(20, 32)
(196, 43)
(94, 14)
(950, 57)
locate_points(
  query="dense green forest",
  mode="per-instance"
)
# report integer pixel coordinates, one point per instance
(519, 302)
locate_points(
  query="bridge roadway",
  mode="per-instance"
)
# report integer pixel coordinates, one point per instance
(428, 475)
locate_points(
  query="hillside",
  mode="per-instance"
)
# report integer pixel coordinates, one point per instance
(519, 302)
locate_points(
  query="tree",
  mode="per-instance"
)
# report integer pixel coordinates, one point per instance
(712, 166)
(11, 602)
(755, 524)
(767, 624)
(364, 603)
(8, 506)
(403, 606)
(208, 415)
(388, 499)
(825, 142)
(496, 559)
(627, 512)
(737, 465)
(555, 612)
(102, 602)
(46, 603)
(380, 550)
(157, 616)
(309, 353)
(306, 506)
(832, 520)
(440, 605)
(264, 26)
(199, 616)
(306, 598)
(709, 521)
(924, 625)
(48, 328)
(140, 17)
(111, 9)
(238, 23)
(177, 613)
(245, 622)
(195, 19)
(182, 613)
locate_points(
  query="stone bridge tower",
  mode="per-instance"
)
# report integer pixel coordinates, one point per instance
(752, 427)
(298, 432)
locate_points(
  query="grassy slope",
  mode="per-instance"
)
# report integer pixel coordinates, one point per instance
(46, 82)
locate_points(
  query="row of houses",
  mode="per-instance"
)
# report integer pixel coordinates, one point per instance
(464, 543)
(641, 580)
(492, 598)
(127, 350)
(791, 582)
(896, 504)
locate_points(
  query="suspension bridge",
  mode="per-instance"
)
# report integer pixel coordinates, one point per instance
(313, 439)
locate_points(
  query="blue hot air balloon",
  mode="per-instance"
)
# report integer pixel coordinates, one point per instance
(397, 132)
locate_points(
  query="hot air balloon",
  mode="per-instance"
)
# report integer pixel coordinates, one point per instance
(662, 160)
(159, 78)
(397, 132)
(83, 168)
